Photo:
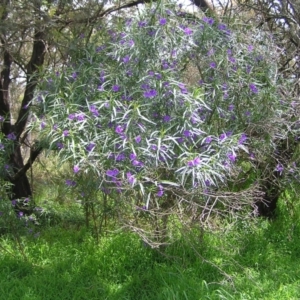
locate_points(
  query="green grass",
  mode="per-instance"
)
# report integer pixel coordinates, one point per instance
(256, 259)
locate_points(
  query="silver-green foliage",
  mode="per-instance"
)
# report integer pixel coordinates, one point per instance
(123, 112)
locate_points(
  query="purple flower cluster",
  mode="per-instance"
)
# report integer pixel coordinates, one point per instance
(151, 93)
(209, 21)
(94, 111)
(112, 173)
(78, 116)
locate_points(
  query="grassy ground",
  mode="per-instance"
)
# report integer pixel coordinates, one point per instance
(61, 260)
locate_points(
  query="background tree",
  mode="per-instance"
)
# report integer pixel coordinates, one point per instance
(34, 36)
(281, 21)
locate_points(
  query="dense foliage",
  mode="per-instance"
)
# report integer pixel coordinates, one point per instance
(123, 112)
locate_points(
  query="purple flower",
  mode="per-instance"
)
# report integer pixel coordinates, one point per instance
(165, 65)
(138, 139)
(223, 136)
(183, 88)
(232, 59)
(142, 23)
(66, 132)
(1, 119)
(253, 88)
(112, 173)
(59, 145)
(131, 43)
(208, 140)
(250, 48)
(162, 21)
(20, 214)
(213, 65)
(130, 178)
(43, 125)
(90, 147)
(187, 133)
(128, 21)
(115, 88)
(70, 182)
(145, 86)
(242, 139)
(188, 31)
(132, 156)
(71, 116)
(80, 117)
(100, 88)
(194, 162)
(14, 202)
(222, 26)
(76, 169)
(231, 107)
(166, 118)
(1, 146)
(207, 182)
(126, 59)
(11, 136)
(137, 163)
(209, 21)
(120, 157)
(119, 129)
(94, 111)
(74, 75)
(150, 93)
(231, 156)
(279, 168)
(55, 127)
(160, 191)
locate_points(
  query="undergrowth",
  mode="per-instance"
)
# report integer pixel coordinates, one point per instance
(252, 259)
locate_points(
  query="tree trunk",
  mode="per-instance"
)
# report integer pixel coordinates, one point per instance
(267, 206)
(20, 184)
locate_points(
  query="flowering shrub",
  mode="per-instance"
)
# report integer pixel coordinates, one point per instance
(124, 114)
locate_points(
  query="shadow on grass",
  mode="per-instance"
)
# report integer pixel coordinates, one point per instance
(71, 266)
(269, 258)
